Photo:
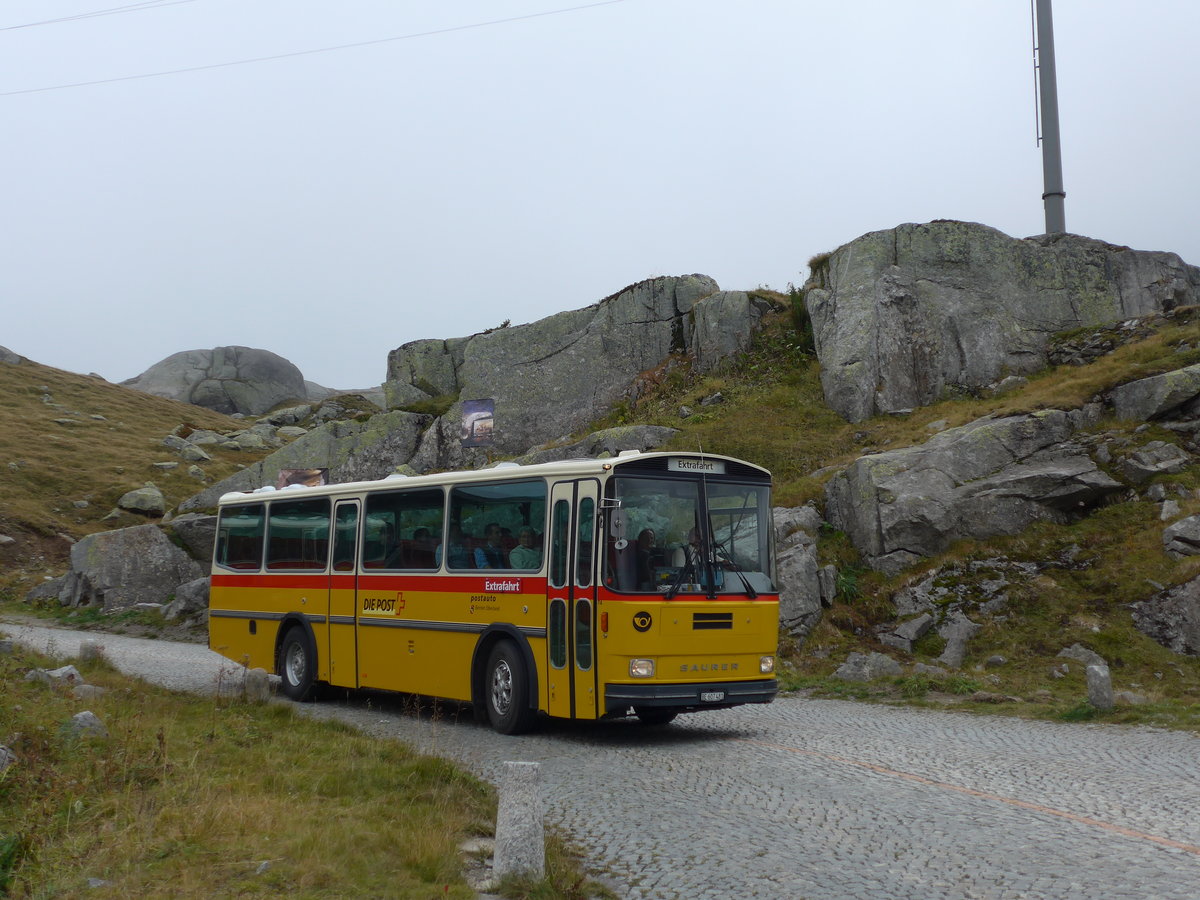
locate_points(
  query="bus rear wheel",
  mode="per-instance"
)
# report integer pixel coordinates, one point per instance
(649, 715)
(297, 664)
(506, 690)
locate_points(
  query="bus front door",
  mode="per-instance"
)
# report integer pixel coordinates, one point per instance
(571, 601)
(342, 649)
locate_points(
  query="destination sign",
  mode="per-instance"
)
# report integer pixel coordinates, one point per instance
(704, 466)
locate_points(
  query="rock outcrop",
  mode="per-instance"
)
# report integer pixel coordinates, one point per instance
(225, 379)
(1173, 394)
(1182, 538)
(552, 377)
(1172, 618)
(197, 533)
(867, 667)
(190, 601)
(805, 587)
(146, 501)
(119, 569)
(351, 450)
(902, 316)
(990, 477)
(954, 601)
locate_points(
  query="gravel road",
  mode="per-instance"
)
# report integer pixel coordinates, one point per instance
(814, 798)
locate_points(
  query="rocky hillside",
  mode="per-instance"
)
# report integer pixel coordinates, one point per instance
(984, 450)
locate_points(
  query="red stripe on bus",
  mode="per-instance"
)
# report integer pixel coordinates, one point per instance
(466, 584)
(461, 584)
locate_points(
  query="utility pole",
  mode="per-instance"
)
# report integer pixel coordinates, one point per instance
(1053, 194)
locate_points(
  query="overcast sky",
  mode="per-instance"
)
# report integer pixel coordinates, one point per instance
(332, 206)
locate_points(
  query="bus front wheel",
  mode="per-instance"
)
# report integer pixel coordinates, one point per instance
(507, 690)
(297, 664)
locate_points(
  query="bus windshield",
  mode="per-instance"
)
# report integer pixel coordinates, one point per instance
(673, 535)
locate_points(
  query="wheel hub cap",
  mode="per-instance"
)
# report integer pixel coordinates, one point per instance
(502, 687)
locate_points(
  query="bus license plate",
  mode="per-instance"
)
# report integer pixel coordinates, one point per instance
(712, 696)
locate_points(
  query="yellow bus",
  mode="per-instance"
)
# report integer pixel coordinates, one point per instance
(582, 589)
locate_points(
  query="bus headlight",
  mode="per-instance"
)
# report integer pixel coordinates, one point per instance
(766, 664)
(641, 668)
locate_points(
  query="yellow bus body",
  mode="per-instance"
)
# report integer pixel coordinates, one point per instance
(432, 632)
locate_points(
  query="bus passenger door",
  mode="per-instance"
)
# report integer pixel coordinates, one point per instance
(342, 652)
(571, 599)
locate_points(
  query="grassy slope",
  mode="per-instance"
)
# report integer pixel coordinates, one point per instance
(68, 439)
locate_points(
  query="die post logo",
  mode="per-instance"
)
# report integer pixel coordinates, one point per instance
(385, 606)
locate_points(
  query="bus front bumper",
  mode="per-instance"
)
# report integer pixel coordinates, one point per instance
(618, 698)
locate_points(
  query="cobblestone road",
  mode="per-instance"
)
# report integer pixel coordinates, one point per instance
(819, 799)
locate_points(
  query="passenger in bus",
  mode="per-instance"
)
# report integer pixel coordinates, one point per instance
(525, 555)
(417, 553)
(647, 556)
(423, 544)
(379, 548)
(491, 554)
(457, 556)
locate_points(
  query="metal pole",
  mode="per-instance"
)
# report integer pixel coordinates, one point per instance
(1053, 195)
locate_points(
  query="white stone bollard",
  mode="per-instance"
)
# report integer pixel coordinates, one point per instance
(520, 832)
(258, 685)
(1099, 687)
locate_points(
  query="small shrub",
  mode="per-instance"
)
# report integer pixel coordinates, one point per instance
(961, 685)
(801, 321)
(914, 687)
(1080, 712)
(848, 588)
(10, 846)
(930, 644)
(818, 268)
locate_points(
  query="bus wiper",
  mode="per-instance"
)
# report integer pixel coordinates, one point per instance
(750, 591)
(737, 570)
(708, 558)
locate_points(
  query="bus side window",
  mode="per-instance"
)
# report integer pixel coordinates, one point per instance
(583, 634)
(344, 537)
(492, 516)
(583, 549)
(298, 534)
(557, 633)
(240, 537)
(404, 528)
(560, 521)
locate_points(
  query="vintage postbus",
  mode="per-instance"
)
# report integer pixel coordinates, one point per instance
(583, 589)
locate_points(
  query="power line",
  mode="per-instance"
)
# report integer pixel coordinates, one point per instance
(111, 11)
(259, 59)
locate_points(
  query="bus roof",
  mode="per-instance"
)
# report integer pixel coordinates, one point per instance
(501, 471)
